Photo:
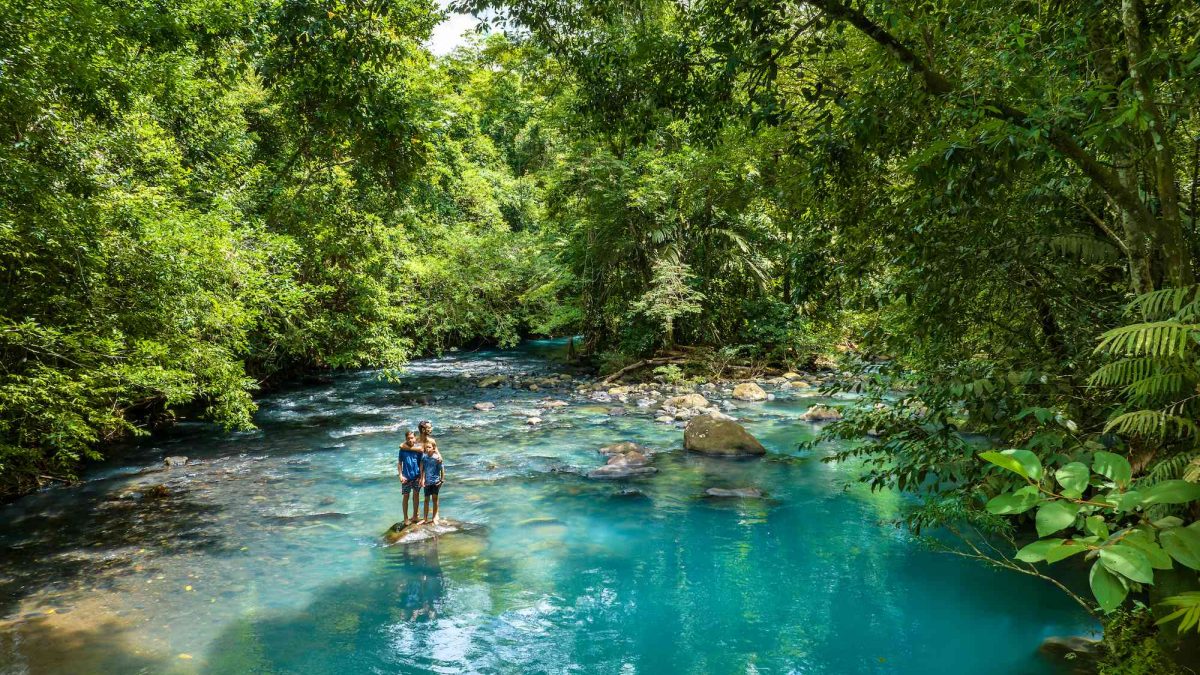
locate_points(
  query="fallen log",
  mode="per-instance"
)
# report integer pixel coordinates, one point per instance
(645, 363)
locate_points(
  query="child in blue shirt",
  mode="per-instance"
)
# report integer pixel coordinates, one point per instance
(433, 474)
(408, 465)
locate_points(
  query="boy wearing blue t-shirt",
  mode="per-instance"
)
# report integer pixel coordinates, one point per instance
(433, 474)
(408, 465)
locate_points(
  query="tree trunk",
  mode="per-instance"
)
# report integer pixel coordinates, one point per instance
(1175, 267)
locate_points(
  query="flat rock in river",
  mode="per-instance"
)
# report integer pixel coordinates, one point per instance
(687, 401)
(411, 534)
(708, 435)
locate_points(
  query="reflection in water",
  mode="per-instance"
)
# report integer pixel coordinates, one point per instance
(263, 555)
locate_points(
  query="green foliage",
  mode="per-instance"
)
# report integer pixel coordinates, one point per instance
(1130, 646)
(1108, 521)
(192, 207)
(670, 296)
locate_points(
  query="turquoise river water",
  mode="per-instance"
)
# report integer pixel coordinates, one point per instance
(263, 554)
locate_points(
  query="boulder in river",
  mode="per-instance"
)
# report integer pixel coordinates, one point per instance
(418, 532)
(735, 493)
(172, 462)
(533, 421)
(749, 391)
(491, 381)
(821, 413)
(708, 435)
(486, 405)
(686, 401)
(553, 403)
(664, 419)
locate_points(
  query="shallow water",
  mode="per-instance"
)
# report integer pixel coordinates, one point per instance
(264, 555)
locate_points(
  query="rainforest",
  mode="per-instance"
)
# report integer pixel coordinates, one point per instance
(936, 260)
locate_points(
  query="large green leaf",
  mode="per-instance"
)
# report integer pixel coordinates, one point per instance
(1158, 558)
(1171, 492)
(1096, 526)
(1036, 551)
(1068, 548)
(1107, 588)
(1011, 503)
(1127, 561)
(1112, 466)
(1054, 516)
(1073, 478)
(1183, 543)
(1021, 462)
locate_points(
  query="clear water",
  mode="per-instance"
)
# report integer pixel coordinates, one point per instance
(265, 557)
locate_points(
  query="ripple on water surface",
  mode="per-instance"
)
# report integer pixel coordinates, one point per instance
(263, 554)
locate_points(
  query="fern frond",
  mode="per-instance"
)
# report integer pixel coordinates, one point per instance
(1175, 467)
(1166, 302)
(1157, 387)
(1151, 424)
(1191, 472)
(1124, 372)
(1085, 248)
(1156, 338)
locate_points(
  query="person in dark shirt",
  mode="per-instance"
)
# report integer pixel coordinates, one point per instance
(433, 474)
(408, 465)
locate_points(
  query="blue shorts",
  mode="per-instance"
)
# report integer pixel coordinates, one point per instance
(408, 485)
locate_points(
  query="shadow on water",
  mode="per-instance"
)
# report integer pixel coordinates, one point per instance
(51, 544)
(80, 647)
(352, 626)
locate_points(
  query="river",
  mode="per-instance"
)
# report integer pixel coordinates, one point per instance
(263, 554)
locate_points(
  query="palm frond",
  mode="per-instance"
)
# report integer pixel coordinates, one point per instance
(1155, 338)
(1124, 372)
(1086, 248)
(1176, 467)
(1167, 302)
(1151, 424)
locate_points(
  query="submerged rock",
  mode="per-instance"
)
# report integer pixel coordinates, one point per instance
(708, 435)
(533, 421)
(665, 419)
(735, 493)
(306, 517)
(553, 403)
(411, 534)
(1079, 653)
(821, 413)
(491, 381)
(172, 462)
(749, 391)
(615, 472)
(486, 405)
(625, 460)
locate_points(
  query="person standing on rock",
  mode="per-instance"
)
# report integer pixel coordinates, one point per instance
(408, 465)
(433, 474)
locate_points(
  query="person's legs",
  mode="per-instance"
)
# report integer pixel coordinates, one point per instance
(435, 508)
(404, 490)
(416, 504)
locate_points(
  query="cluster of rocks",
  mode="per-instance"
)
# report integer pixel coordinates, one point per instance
(531, 383)
(625, 460)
